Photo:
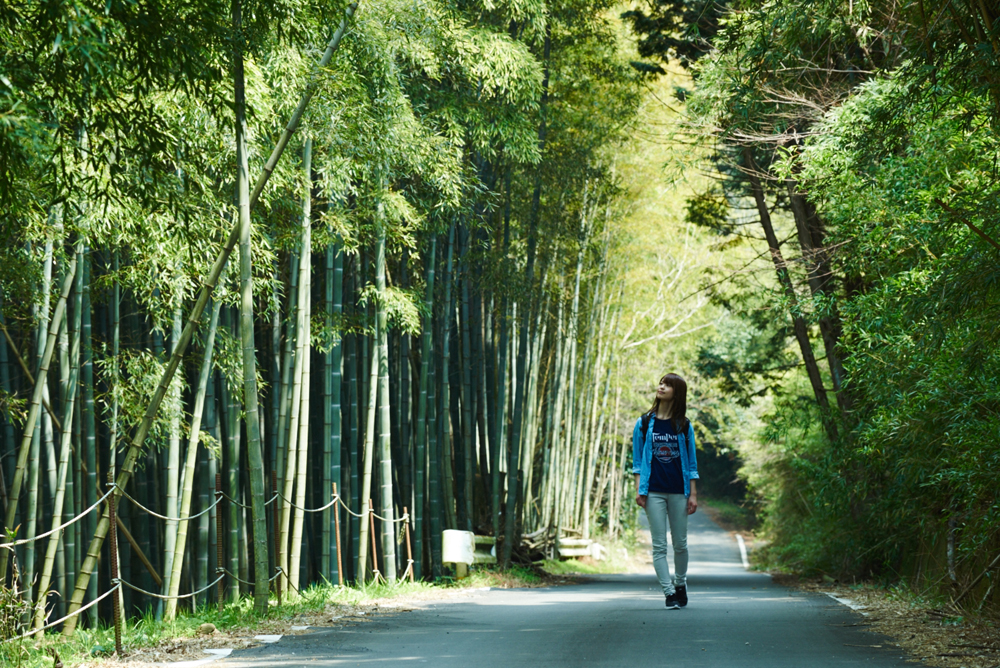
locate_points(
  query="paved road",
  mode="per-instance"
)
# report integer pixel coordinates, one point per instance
(734, 618)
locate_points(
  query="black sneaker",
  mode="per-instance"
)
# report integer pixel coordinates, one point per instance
(681, 596)
(673, 602)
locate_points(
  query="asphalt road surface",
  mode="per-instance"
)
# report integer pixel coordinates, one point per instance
(734, 618)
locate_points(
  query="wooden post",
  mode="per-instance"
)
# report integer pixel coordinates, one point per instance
(277, 537)
(218, 540)
(406, 531)
(336, 519)
(371, 518)
(115, 581)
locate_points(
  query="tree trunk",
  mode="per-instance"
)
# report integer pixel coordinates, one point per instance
(784, 278)
(819, 271)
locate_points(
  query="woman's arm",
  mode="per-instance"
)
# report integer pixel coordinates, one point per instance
(637, 460)
(693, 499)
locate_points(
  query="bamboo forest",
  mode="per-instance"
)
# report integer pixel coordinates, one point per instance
(290, 289)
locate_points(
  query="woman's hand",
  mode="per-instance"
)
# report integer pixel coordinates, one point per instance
(640, 500)
(692, 504)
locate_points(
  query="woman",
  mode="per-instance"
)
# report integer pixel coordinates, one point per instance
(665, 469)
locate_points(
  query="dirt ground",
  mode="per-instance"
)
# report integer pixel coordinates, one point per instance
(943, 637)
(929, 636)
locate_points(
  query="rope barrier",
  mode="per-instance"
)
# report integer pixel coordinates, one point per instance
(24, 541)
(245, 506)
(348, 509)
(170, 598)
(309, 510)
(396, 521)
(244, 582)
(405, 516)
(59, 621)
(287, 579)
(165, 517)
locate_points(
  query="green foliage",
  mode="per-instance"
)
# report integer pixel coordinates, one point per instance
(922, 344)
(885, 119)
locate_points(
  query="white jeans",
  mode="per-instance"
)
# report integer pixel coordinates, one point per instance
(661, 508)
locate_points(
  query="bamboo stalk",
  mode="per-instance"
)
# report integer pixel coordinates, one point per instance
(33, 407)
(34, 470)
(336, 413)
(304, 348)
(208, 285)
(519, 395)
(420, 438)
(468, 434)
(88, 420)
(433, 456)
(385, 453)
(189, 463)
(369, 446)
(173, 471)
(64, 457)
(444, 431)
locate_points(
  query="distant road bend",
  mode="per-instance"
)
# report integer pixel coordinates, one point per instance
(735, 618)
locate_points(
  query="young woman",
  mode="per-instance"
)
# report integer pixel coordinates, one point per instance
(665, 469)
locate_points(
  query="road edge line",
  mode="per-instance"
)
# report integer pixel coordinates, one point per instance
(743, 551)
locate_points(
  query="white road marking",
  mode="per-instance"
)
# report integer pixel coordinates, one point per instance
(848, 602)
(743, 551)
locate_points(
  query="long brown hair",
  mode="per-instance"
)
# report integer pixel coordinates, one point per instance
(678, 405)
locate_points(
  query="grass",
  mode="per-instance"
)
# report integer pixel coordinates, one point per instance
(619, 553)
(146, 631)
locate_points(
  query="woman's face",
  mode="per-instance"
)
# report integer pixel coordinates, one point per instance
(664, 392)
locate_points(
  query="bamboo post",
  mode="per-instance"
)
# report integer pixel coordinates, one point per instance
(218, 540)
(336, 519)
(406, 531)
(277, 538)
(115, 582)
(371, 518)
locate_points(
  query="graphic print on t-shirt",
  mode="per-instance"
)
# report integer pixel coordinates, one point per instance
(665, 447)
(665, 472)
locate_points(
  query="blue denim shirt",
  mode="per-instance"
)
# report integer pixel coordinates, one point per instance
(642, 455)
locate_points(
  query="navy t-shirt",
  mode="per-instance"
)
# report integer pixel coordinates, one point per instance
(665, 474)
